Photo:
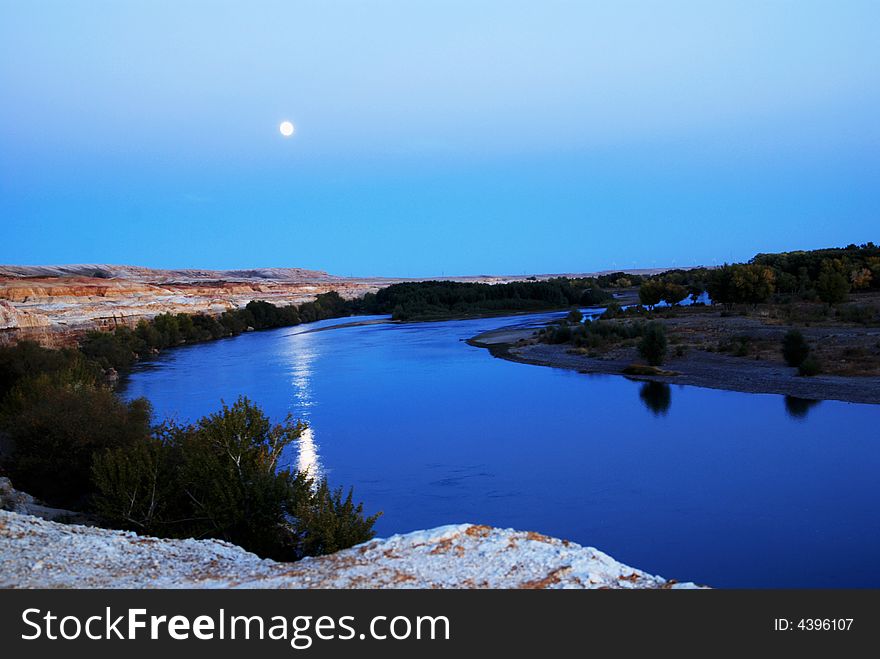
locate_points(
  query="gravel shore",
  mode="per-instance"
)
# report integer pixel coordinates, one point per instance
(698, 368)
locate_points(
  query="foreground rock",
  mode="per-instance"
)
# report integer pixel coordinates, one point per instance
(36, 553)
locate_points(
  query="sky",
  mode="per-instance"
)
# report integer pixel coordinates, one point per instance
(436, 138)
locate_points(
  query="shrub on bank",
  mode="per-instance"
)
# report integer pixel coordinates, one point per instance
(55, 423)
(559, 334)
(220, 478)
(652, 347)
(795, 348)
(27, 358)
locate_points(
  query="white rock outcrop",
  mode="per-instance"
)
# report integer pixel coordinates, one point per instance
(37, 553)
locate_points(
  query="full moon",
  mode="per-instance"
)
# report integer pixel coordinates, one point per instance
(286, 128)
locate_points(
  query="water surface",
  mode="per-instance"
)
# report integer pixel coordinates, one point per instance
(723, 488)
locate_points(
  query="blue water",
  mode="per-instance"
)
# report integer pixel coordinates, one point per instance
(717, 487)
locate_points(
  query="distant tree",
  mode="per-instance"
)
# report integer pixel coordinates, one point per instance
(561, 334)
(753, 283)
(861, 278)
(786, 283)
(109, 349)
(148, 335)
(265, 314)
(651, 293)
(795, 348)
(652, 347)
(168, 329)
(233, 322)
(673, 293)
(594, 296)
(748, 283)
(575, 315)
(719, 284)
(832, 286)
(186, 327)
(612, 310)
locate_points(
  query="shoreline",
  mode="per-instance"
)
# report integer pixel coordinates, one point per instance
(698, 368)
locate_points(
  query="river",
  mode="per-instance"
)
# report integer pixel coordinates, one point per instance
(722, 488)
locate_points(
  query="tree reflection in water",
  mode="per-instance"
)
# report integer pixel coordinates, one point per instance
(798, 408)
(657, 397)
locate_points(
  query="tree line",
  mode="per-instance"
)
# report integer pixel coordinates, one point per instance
(824, 275)
(120, 348)
(442, 299)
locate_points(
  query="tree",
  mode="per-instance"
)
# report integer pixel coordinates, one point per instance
(594, 296)
(832, 286)
(168, 329)
(753, 283)
(561, 334)
(265, 314)
(109, 349)
(795, 348)
(574, 316)
(719, 284)
(748, 283)
(673, 293)
(651, 293)
(652, 347)
(861, 278)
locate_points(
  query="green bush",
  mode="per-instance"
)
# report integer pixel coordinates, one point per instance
(832, 285)
(575, 315)
(560, 334)
(220, 478)
(110, 349)
(652, 347)
(136, 487)
(594, 296)
(56, 423)
(327, 522)
(795, 348)
(27, 359)
(651, 292)
(862, 314)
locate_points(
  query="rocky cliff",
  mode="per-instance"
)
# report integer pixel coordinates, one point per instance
(56, 304)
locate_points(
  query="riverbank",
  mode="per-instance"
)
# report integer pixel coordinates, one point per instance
(760, 372)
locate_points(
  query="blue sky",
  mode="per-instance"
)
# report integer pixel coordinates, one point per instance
(436, 137)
